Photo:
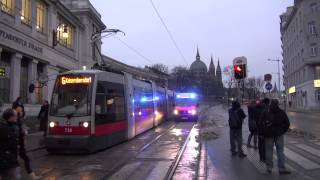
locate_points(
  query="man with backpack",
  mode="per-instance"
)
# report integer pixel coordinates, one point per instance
(260, 108)
(236, 117)
(275, 124)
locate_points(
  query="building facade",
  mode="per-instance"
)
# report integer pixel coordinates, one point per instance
(41, 38)
(208, 81)
(300, 35)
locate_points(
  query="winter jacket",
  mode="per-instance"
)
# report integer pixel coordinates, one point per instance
(275, 122)
(258, 115)
(252, 119)
(240, 113)
(9, 138)
(43, 117)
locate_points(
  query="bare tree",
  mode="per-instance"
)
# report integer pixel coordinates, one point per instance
(160, 67)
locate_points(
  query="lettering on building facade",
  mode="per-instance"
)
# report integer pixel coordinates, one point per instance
(20, 41)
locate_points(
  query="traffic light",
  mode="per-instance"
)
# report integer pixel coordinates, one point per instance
(240, 71)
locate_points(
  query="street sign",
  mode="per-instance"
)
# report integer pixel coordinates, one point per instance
(267, 77)
(268, 86)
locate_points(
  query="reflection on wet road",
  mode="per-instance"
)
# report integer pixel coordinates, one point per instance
(149, 156)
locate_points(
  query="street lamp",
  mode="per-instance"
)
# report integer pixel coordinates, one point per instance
(279, 74)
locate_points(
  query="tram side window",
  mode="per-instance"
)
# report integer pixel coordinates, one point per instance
(110, 103)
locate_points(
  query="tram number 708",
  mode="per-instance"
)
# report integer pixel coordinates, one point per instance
(68, 130)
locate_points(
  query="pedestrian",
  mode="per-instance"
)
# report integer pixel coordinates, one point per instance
(276, 123)
(236, 118)
(252, 123)
(43, 117)
(19, 108)
(9, 138)
(260, 108)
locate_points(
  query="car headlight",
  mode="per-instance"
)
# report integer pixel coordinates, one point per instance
(193, 112)
(175, 112)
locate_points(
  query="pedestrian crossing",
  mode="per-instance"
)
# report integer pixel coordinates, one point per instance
(301, 157)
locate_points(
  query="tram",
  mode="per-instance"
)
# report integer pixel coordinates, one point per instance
(93, 109)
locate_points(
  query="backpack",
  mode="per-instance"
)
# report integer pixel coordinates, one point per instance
(269, 126)
(234, 120)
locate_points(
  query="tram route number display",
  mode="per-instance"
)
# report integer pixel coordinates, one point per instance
(68, 130)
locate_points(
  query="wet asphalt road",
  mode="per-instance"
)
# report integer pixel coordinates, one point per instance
(148, 156)
(307, 122)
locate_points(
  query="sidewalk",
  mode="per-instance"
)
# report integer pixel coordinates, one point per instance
(34, 141)
(304, 162)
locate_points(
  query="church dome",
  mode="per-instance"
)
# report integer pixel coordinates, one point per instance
(198, 66)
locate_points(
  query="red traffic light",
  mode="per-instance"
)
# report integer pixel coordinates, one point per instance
(237, 68)
(240, 71)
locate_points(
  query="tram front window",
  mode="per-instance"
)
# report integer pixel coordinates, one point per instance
(72, 96)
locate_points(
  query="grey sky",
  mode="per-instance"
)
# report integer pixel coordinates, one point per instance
(225, 28)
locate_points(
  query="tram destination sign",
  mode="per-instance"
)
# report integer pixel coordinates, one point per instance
(20, 41)
(75, 80)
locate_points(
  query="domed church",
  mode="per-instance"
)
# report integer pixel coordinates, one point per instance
(208, 82)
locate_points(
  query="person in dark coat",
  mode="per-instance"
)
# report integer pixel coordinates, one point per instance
(236, 118)
(275, 124)
(43, 117)
(252, 125)
(260, 108)
(9, 138)
(19, 108)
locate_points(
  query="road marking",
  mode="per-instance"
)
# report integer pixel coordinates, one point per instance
(300, 160)
(309, 149)
(160, 170)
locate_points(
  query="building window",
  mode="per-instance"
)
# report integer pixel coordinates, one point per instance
(314, 7)
(41, 16)
(65, 33)
(7, 6)
(313, 50)
(312, 28)
(26, 11)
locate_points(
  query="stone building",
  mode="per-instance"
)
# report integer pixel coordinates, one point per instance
(207, 81)
(41, 38)
(300, 28)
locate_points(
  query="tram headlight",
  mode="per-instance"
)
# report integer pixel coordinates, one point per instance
(84, 124)
(156, 112)
(52, 124)
(175, 112)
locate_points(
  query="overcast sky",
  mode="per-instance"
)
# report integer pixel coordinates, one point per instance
(223, 28)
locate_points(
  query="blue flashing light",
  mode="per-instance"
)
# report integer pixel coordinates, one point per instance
(187, 96)
(144, 99)
(156, 98)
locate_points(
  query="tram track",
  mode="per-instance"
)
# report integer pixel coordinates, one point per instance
(142, 149)
(174, 166)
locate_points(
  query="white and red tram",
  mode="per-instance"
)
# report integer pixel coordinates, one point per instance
(93, 109)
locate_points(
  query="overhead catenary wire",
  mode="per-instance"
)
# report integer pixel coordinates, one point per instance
(169, 32)
(134, 50)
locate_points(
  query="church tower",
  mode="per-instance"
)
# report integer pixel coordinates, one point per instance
(212, 69)
(219, 72)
